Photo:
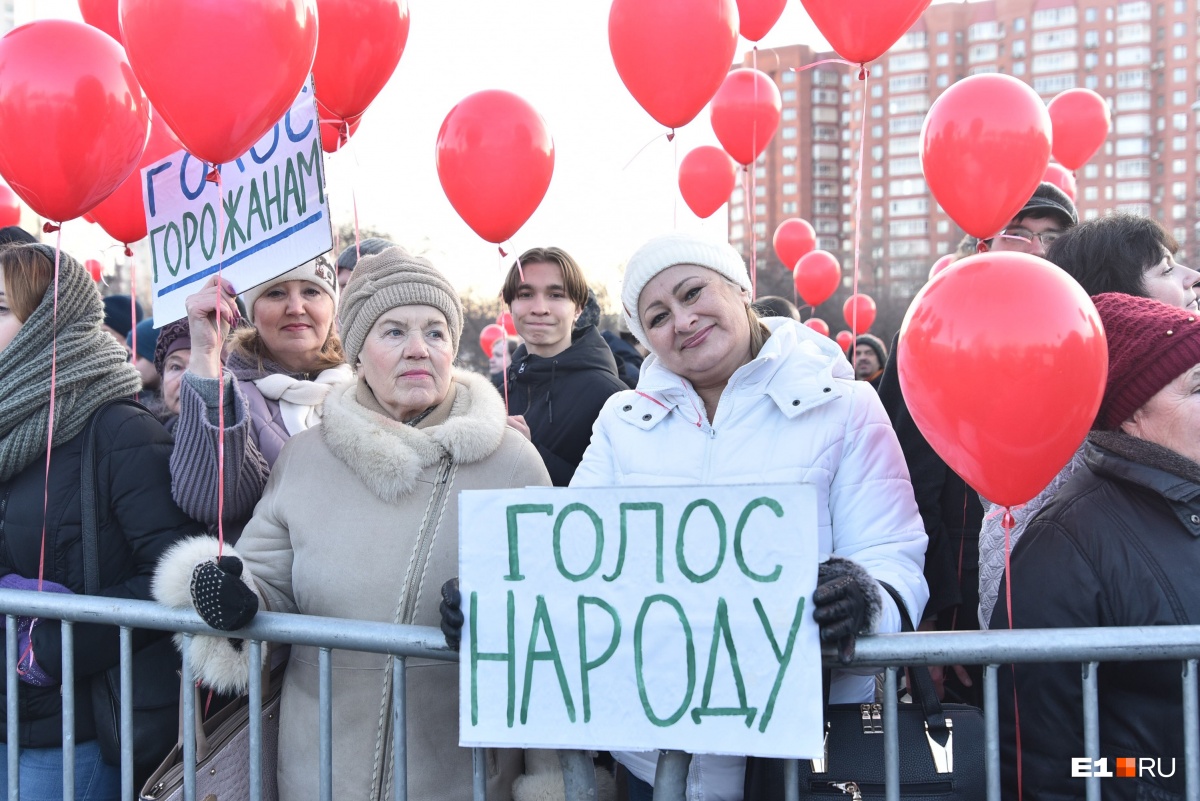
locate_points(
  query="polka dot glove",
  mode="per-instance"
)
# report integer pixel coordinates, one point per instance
(220, 596)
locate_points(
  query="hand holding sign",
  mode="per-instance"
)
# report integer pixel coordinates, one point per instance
(202, 322)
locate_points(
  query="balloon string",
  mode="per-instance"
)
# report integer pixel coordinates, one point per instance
(133, 311)
(670, 138)
(863, 75)
(824, 61)
(221, 374)
(50, 421)
(1007, 522)
(753, 168)
(675, 195)
(504, 380)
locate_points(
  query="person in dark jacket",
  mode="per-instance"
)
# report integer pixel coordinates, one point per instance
(137, 519)
(870, 355)
(952, 511)
(562, 374)
(1116, 546)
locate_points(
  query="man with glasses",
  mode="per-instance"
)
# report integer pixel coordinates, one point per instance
(1043, 218)
(950, 509)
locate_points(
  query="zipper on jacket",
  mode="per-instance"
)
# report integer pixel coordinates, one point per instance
(709, 445)
(381, 773)
(441, 487)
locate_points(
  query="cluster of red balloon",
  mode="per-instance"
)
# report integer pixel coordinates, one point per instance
(1005, 403)
(76, 107)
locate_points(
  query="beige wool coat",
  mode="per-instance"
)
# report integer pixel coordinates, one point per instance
(360, 520)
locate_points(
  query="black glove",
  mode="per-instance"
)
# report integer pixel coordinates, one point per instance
(452, 616)
(841, 604)
(220, 596)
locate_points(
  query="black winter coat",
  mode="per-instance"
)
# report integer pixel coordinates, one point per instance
(561, 398)
(950, 509)
(138, 520)
(1118, 546)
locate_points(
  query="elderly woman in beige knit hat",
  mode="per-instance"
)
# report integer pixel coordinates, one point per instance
(277, 375)
(394, 449)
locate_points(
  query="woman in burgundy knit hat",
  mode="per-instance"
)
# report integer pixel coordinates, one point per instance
(1119, 545)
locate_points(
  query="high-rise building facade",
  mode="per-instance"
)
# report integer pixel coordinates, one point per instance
(1140, 56)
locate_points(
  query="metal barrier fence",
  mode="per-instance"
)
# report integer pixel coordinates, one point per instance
(889, 651)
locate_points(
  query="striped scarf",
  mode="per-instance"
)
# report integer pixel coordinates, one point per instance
(92, 369)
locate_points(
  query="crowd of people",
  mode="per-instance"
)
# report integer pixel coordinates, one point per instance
(338, 379)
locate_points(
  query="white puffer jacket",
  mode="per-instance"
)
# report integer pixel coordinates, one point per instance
(794, 414)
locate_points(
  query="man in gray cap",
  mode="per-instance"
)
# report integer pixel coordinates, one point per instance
(1043, 218)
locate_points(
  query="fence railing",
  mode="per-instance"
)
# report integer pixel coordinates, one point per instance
(890, 652)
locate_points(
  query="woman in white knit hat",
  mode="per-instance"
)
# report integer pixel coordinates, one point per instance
(394, 449)
(277, 375)
(739, 400)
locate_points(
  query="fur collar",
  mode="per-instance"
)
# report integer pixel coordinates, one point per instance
(388, 456)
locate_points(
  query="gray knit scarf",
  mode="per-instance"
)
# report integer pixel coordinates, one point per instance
(92, 369)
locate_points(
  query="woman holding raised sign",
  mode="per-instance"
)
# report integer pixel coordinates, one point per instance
(738, 400)
(396, 447)
(277, 375)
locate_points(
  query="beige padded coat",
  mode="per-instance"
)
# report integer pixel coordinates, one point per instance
(360, 520)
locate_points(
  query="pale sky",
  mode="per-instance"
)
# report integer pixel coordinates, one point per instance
(555, 55)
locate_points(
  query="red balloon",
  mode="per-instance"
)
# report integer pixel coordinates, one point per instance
(745, 113)
(221, 74)
(793, 239)
(10, 207)
(1061, 177)
(707, 177)
(505, 321)
(845, 339)
(1081, 119)
(102, 14)
(94, 268)
(859, 312)
(335, 132)
(978, 123)
(818, 325)
(73, 121)
(861, 30)
(941, 264)
(122, 214)
(817, 276)
(1005, 405)
(359, 46)
(495, 158)
(756, 18)
(672, 55)
(488, 337)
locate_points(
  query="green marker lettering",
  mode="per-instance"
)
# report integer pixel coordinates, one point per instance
(586, 665)
(739, 555)
(541, 620)
(784, 657)
(722, 633)
(597, 526)
(700, 578)
(514, 559)
(478, 656)
(639, 662)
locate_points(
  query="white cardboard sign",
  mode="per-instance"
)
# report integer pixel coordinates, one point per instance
(641, 618)
(272, 213)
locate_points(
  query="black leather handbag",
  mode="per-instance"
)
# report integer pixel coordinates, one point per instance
(155, 701)
(941, 751)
